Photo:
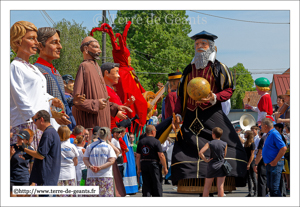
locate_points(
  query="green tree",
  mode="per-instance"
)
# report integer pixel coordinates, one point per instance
(244, 82)
(158, 42)
(71, 36)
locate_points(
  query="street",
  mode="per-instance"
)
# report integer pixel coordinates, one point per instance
(171, 191)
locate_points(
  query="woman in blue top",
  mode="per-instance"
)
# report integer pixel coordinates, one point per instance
(218, 151)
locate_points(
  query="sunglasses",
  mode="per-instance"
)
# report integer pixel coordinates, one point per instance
(36, 119)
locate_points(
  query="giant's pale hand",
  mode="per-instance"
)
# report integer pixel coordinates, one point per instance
(121, 115)
(78, 99)
(248, 106)
(130, 101)
(103, 103)
(57, 103)
(63, 120)
(123, 108)
(258, 123)
(209, 98)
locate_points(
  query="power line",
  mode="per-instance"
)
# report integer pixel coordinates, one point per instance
(45, 19)
(152, 73)
(239, 19)
(151, 62)
(110, 17)
(157, 57)
(269, 69)
(47, 15)
(181, 62)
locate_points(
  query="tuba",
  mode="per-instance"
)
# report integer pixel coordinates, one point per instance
(247, 121)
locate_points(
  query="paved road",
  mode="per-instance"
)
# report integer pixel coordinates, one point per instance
(171, 191)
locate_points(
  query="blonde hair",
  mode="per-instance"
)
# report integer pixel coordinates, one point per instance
(250, 138)
(18, 31)
(79, 139)
(64, 133)
(103, 132)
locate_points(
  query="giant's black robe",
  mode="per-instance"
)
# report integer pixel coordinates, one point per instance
(186, 162)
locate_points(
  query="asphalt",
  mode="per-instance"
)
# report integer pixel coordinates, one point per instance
(171, 191)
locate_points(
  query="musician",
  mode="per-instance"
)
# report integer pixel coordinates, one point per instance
(199, 118)
(171, 98)
(264, 106)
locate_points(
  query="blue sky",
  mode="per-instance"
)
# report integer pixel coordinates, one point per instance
(262, 48)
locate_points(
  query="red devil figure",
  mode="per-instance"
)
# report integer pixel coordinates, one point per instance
(128, 84)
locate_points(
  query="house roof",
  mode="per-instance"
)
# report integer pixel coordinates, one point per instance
(287, 72)
(282, 83)
(254, 98)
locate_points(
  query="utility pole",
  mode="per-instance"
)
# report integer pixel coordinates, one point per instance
(103, 38)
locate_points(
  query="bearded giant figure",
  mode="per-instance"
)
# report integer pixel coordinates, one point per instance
(199, 118)
(129, 84)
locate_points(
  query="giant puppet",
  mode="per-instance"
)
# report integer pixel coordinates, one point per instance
(264, 106)
(200, 117)
(128, 84)
(96, 109)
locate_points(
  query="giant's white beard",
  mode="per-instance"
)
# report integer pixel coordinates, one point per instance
(201, 58)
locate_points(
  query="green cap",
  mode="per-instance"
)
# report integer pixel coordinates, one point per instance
(262, 84)
(116, 129)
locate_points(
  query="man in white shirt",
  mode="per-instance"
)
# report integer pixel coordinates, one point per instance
(254, 129)
(99, 158)
(165, 146)
(238, 130)
(116, 134)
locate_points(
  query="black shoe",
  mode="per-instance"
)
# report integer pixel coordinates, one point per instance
(167, 182)
(254, 194)
(249, 195)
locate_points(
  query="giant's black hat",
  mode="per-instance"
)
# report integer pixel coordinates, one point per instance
(204, 35)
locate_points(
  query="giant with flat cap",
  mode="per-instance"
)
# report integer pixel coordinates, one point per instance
(199, 118)
(204, 35)
(264, 106)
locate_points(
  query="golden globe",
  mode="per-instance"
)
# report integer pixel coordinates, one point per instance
(198, 88)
